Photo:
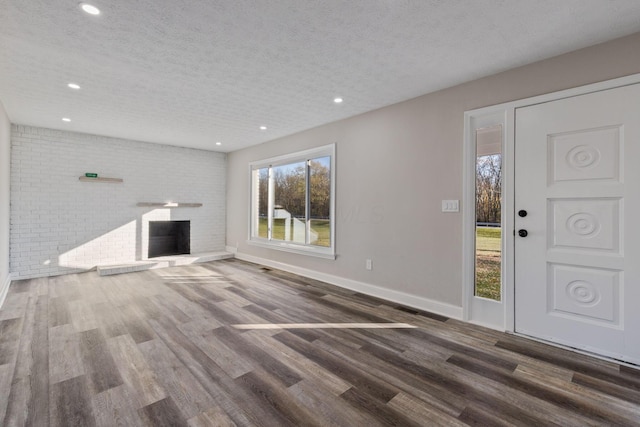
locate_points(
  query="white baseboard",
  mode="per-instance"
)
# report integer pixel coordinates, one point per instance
(403, 298)
(51, 274)
(4, 289)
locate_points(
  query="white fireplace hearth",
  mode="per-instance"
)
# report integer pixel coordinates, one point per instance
(163, 262)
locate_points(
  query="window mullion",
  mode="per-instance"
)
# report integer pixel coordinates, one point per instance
(307, 201)
(270, 204)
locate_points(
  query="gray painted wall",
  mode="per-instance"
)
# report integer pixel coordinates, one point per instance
(396, 164)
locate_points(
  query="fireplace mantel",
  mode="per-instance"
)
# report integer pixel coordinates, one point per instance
(99, 179)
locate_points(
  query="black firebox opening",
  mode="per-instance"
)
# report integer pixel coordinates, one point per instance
(169, 238)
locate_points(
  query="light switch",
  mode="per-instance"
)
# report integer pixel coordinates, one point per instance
(451, 206)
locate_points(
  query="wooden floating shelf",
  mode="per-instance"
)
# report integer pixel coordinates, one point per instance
(100, 179)
(168, 205)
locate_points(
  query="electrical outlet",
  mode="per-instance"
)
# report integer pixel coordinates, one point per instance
(369, 265)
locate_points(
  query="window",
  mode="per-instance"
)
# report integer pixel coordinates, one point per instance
(489, 212)
(292, 202)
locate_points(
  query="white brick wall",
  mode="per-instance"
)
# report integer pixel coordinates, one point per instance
(62, 225)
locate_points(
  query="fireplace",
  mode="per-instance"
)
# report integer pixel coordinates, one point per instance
(169, 238)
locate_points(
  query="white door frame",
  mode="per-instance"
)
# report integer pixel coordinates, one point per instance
(501, 315)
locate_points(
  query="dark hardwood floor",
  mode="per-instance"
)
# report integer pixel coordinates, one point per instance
(231, 343)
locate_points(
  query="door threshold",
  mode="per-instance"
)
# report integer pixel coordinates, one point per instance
(577, 350)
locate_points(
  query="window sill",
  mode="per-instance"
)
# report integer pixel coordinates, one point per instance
(293, 248)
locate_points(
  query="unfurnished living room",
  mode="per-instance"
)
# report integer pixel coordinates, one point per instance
(335, 213)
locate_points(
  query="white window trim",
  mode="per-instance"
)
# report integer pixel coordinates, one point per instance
(479, 310)
(286, 246)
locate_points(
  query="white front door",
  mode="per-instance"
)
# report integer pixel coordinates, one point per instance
(577, 203)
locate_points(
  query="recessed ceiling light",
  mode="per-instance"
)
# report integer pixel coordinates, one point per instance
(90, 9)
(337, 100)
(66, 119)
(218, 143)
(73, 86)
(263, 128)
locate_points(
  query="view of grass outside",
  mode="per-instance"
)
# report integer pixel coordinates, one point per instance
(323, 228)
(320, 226)
(488, 257)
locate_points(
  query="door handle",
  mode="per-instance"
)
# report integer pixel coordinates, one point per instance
(523, 233)
(522, 213)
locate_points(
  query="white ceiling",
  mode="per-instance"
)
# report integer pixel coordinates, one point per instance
(190, 73)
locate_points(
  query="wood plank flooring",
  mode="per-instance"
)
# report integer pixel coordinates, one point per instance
(164, 348)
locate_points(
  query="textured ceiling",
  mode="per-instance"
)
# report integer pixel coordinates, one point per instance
(193, 72)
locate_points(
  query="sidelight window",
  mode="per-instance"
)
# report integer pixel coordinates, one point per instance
(488, 281)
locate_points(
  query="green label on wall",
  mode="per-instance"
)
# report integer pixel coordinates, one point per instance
(91, 175)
